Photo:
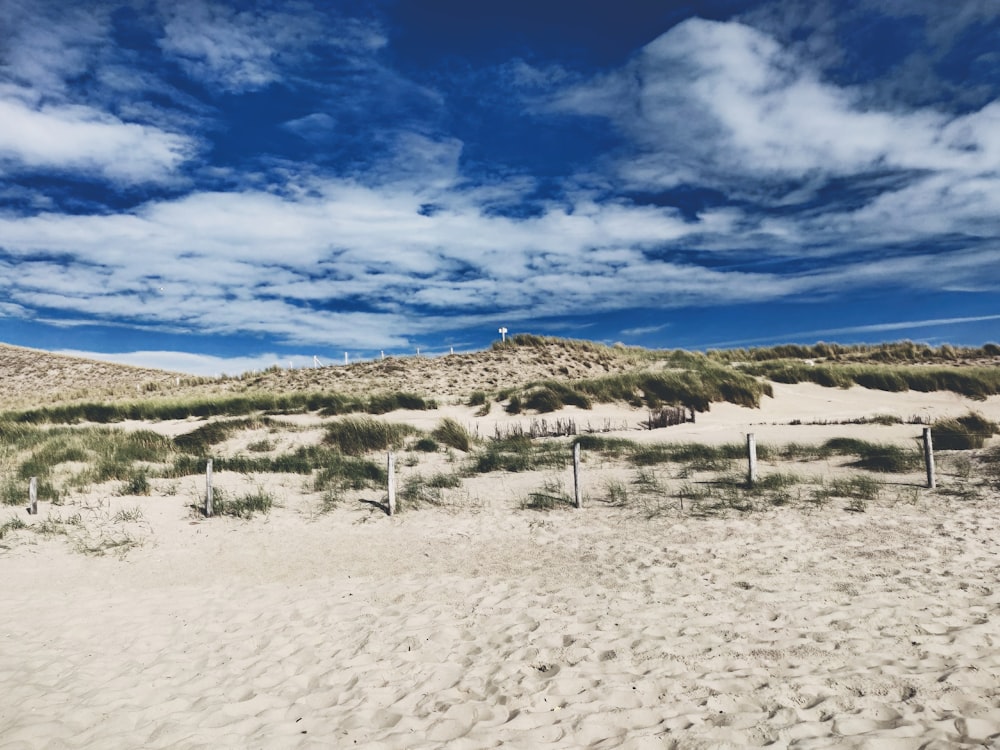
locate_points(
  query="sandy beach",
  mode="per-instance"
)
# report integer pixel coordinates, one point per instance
(479, 623)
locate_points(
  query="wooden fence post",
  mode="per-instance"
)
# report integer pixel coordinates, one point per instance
(209, 510)
(929, 458)
(751, 459)
(391, 471)
(33, 496)
(577, 495)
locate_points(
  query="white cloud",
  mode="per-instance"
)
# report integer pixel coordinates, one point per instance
(316, 128)
(708, 102)
(81, 138)
(10, 310)
(48, 43)
(644, 330)
(247, 50)
(292, 265)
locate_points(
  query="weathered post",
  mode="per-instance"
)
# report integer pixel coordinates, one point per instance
(33, 496)
(577, 495)
(209, 510)
(391, 471)
(751, 459)
(929, 458)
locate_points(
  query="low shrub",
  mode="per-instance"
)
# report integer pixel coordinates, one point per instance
(426, 445)
(137, 484)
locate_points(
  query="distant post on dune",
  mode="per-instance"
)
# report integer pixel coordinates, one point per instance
(390, 470)
(751, 458)
(33, 497)
(577, 496)
(929, 458)
(208, 489)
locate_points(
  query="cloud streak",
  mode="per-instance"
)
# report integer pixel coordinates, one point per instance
(77, 138)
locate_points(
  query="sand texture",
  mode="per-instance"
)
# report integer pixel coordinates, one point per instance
(491, 627)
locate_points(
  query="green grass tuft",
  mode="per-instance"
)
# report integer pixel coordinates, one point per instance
(451, 433)
(963, 433)
(11, 524)
(358, 436)
(243, 506)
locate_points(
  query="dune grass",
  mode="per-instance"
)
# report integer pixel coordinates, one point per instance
(963, 433)
(327, 404)
(695, 389)
(518, 453)
(418, 490)
(358, 436)
(243, 506)
(11, 524)
(451, 433)
(897, 352)
(974, 382)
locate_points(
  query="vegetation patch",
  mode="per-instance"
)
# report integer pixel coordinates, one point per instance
(11, 524)
(517, 454)
(550, 496)
(451, 433)
(242, 506)
(419, 490)
(963, 433)
(328, 404)
(974, 382)
(358, 436)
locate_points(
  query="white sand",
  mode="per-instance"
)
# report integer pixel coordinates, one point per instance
(484, 625)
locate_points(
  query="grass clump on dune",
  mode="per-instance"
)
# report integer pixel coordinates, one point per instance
(200, 439)
(518, 453)
(879, 457)
(693, 389)
(11, 524)
(420, 490)
(451, 433)
(963, 433)
(242, 506)
(357, 436)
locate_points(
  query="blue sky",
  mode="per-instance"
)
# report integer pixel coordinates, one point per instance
(215, 186)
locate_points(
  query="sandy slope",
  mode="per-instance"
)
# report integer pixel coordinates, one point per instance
(593, 628)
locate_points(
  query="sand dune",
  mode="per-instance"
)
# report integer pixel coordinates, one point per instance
(479, 623)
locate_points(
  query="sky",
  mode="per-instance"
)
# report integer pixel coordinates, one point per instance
(217, 186)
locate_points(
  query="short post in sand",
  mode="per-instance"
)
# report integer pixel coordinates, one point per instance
(391, 472)
(929, 458)
(33, 497)
(577, 497)
(751, 459)
(208, 489)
